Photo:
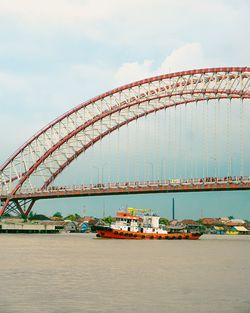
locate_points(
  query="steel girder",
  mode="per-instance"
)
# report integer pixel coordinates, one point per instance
(44, 156)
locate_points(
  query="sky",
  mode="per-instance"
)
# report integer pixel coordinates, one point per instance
(56, 54)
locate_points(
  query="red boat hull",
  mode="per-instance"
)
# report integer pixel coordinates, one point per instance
(121, 234)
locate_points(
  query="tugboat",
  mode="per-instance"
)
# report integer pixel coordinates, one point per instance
(145, 226)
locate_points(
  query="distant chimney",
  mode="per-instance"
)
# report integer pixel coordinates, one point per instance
(173, 208)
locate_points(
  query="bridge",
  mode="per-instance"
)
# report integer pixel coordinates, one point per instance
(31, 172)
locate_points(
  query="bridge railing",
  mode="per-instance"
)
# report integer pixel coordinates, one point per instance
(138, 184)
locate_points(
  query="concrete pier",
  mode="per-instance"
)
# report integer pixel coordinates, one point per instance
(28, 228)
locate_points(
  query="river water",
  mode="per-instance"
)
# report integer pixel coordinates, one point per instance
(71, 273)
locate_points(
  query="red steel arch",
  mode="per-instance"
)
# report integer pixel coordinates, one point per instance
(45, 155)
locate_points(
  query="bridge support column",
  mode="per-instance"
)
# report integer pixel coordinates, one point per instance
(18, 207)
(32, 202)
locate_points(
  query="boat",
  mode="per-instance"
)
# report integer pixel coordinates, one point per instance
(145, 225)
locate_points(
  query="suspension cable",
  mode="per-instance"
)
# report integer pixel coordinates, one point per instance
(109, 141)
(228, 137)
(184, 141)
(127, 158)
(170, 151)
(165, 150)
(136, 163)
(158, 150)
(192, 146)
(195, 142)
(241, 137)
(175, 148)
(230, 144)
(180, 137)
(155, 157)
(144, 153)
(218, 137)
(207, 141)
(118, 155)
(203, 140)
(147, 133)
(215, 141)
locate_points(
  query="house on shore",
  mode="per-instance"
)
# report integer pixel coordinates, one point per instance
(238, 230)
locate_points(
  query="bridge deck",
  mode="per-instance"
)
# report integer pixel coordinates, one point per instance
(171, 186)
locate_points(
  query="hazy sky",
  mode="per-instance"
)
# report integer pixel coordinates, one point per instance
(55, 54)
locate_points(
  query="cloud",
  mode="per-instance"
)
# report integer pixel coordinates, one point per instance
(133, 71)
(52, 31)
(11, 82)
(33, 12)
(58, 15)
(161, 21)
(187, 57)
(47, 66)
(30, 101)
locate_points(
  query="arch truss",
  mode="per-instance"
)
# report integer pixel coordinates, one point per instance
(38, 162)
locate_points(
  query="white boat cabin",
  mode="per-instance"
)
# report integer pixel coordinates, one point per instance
(126, 221)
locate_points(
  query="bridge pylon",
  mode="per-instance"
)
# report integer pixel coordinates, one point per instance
(20, 207)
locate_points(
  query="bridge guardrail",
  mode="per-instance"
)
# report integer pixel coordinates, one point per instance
(137, 184)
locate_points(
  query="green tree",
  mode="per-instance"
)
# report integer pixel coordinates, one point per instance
(108, 219)
(58, 214)
(164, 221)
(7, 215)
(38, 217)
(199, 221)
(73, 217)
(77, 216)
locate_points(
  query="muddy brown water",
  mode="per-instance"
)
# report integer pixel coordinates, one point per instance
(71, 273)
